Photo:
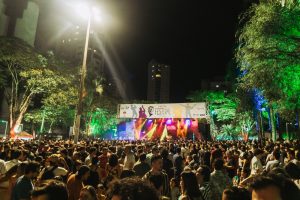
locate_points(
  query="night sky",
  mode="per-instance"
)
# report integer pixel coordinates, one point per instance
(196, 38)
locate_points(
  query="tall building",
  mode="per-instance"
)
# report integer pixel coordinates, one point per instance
(19, 18)
(158, 82)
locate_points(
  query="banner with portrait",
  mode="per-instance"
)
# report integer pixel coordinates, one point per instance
(170, 110)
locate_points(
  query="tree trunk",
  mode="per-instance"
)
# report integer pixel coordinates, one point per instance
(17, 122)
(273, 123)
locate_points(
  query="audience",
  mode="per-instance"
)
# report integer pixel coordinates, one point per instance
(179, 169)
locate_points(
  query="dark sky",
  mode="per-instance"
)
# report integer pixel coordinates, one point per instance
(196, 38)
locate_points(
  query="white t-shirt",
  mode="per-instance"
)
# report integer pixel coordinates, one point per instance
(2, 167)
(129, 160)
(272, 164)
(59, 171)
(256, 166)
(11, 163)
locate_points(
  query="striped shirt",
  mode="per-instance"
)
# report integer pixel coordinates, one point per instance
(206, 191)
(165, 183)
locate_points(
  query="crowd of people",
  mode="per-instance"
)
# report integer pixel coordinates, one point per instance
(149, 170)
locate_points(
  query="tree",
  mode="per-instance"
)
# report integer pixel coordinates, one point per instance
(222, 107)
(58, 109)
(26, 75)
(269, 50)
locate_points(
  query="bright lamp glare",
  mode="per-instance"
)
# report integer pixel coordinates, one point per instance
(82, 10)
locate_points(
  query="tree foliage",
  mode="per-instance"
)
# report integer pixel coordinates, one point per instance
(27, 74)
(225, 120)
(222, 105)
(269, 52)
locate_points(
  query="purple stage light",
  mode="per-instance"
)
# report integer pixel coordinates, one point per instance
(188, 122)
(169, 121)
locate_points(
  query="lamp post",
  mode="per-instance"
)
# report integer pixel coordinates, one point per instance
(79, 107)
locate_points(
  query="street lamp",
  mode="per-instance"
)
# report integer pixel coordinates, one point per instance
(86, 10)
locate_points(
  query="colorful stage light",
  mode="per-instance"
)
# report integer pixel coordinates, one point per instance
(164, 134)
(188, 122)
(169, 121)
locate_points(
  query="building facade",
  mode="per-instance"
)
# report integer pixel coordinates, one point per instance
(158, 82)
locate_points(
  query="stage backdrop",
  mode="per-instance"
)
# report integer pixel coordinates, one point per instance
(170, 110)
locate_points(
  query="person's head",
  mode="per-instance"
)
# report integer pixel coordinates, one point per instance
(276, 154)
(293, 170)
(16, 154)
(172, 182)
(32, 169)
(155, 150)
(53, 190)
(93, 151)
(100, 189)
(64, 152)
(24, 155)
(203, 174)
(164, 153)
(83, 173)
(245, 173)
(258, 153)
(127, 148)
(95, 161)
(274, 188)
(21, 169)
(53, 159)
(265, 188)
(189, 184)
(156, 163)
(195, 157)
(291, 154)
(133, 189)
(178, 150)
(235, 193)
(104, 151)
(88, 193)
(113, 160)
(218, 164)
(143, 157)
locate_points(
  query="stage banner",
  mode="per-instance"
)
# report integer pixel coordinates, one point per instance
(170, 110)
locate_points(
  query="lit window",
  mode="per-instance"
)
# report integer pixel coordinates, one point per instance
(157, 75)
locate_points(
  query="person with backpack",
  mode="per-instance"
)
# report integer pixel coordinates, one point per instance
(53, 170)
